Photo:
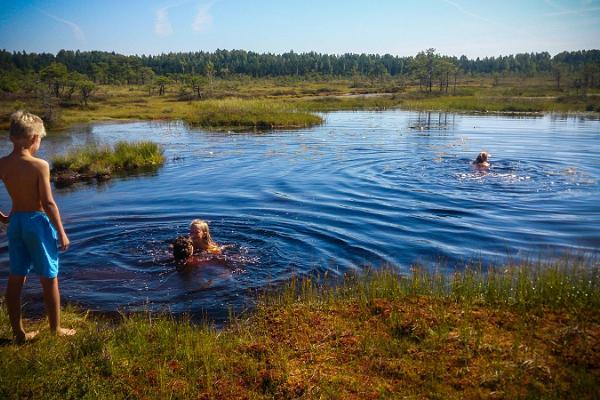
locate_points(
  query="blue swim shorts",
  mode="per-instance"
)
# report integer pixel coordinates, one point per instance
(32, 242)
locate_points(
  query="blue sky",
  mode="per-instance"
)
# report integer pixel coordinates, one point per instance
(399, 27)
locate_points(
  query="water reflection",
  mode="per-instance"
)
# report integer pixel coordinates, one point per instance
(428, 121)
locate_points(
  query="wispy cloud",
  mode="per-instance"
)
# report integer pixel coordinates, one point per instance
(556, 6)
(162, 24)
(583, 12)
(203, 18)
(560, 10)
(466, 12)
(77, 31)
(484, 19)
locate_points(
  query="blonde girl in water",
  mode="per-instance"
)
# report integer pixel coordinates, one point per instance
(201, 239)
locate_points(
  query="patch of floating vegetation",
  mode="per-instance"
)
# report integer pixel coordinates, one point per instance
(99, 162)
(239, 114)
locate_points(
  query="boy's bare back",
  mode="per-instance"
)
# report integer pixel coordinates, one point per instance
(25, 178)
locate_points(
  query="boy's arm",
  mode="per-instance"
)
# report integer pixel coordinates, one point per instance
(50, 206)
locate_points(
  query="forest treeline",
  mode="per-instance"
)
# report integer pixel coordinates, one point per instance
(111, 68)
(95, 63)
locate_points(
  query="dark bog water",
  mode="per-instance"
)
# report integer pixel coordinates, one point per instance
(365, 188)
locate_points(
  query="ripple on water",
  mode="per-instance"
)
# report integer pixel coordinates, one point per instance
(366, 188)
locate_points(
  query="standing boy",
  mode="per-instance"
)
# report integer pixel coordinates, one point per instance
(35, 229)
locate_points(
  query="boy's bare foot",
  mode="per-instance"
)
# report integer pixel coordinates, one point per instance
(25, 337)
(65, 332)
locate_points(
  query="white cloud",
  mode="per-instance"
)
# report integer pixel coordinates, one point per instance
(77, 31)
(162, 24)
(203, 18)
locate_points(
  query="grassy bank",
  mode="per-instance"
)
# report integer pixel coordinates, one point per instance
(503, 104)
(101, 161)
(269, 103)
(526, 331)
(241, 114)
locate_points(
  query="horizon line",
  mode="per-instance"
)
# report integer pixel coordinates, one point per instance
(288, 52)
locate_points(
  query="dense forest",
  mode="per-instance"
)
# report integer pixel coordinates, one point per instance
(98, 64)
(111, 68)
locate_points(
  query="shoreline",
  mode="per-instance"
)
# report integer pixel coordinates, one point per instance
(516, 331)
(234, 129)
(267, 113)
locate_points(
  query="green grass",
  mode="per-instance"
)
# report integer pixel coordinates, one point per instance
(520, 331)
(289, 102)
(96, 159)
(506, 104)
(243, 114)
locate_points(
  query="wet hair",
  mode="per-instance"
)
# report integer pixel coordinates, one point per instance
(24, 125)
(481, 158)
(182, 248)
(208, 242)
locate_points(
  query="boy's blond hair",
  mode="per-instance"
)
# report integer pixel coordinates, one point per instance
(25, 125)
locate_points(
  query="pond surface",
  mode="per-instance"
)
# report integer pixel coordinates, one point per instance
(365, 188)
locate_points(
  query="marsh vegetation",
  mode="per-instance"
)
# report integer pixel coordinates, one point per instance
(527, 330)
(100, 162)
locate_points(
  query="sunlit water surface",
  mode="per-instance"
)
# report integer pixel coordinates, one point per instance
(365, 188)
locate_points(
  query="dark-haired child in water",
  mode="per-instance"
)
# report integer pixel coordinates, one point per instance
(183, 249)
(482, 160)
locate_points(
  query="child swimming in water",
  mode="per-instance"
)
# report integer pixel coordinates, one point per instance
(183, 249)
(201, 238)
(199, 241)
(482, 160)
